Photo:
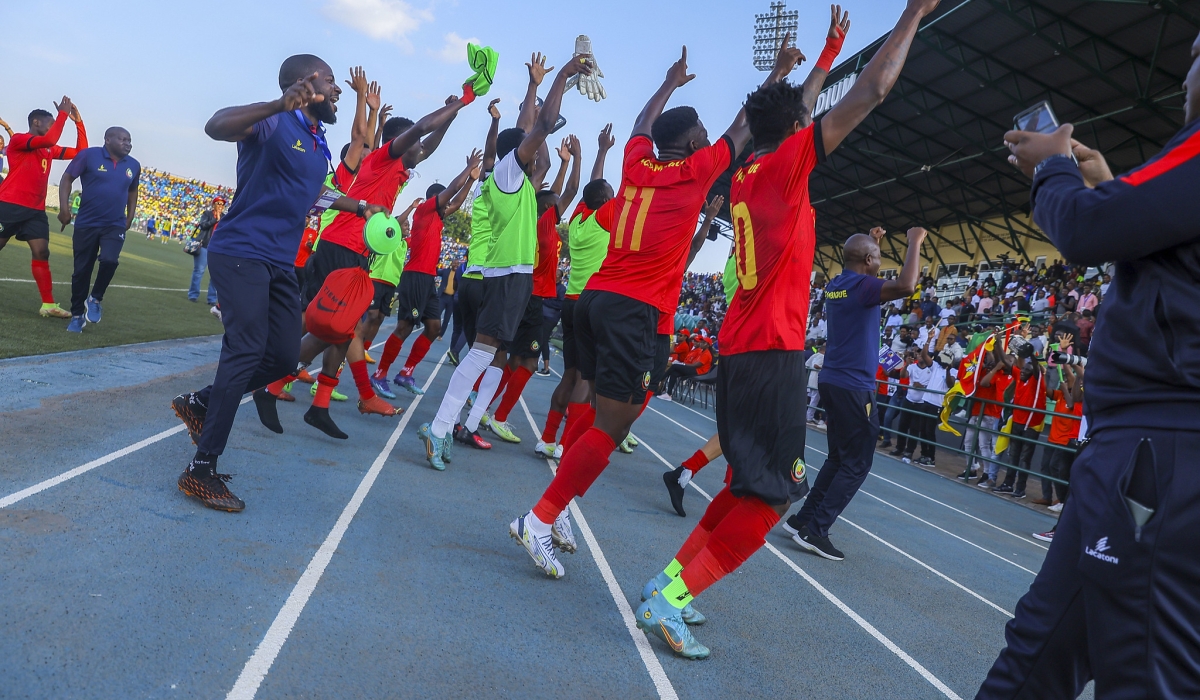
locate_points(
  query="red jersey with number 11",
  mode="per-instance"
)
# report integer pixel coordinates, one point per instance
(656, 214)
(773, 243)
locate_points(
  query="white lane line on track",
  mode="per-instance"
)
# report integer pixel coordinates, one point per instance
(659, 676)
(868, 627)
(85, 468)
(947, 505)
(705, 416)
(256, 668)
(111, 286)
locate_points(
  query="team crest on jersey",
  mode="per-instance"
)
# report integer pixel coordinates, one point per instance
(102, 168)
(798, 470)
(535, 346)
(414, 313)
(646, 381)
(129, 173)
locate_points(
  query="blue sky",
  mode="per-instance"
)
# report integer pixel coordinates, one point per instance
(161, 69)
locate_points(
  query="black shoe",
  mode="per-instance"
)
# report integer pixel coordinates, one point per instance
(884, 445)
(1018, 495)
(452, 357)
(319, 419)
(474, 439)
(202, 481)
(543, 372)
(821, 546)
(896, 453)
(268, 413)
(1003, 488)
(674, 490)
(967, 475)
(191, 412)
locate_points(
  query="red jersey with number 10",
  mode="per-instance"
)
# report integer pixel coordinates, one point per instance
(773, 243)
(656, 214)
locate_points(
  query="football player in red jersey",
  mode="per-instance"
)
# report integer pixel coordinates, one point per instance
(23, 192)
(760, 424)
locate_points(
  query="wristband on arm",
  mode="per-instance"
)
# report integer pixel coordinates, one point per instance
(833, 46)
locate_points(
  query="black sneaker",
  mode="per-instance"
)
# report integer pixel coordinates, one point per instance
(474, 439)
(967, 475)
(1018, 495)
(319, 419)
(1003, 488)
(821, 546)
(674, 490)
(201, 481)
(268, 413)
(792, 525)
(884, 445)
(925, 461)
(452, 357)
(191, 412)
(896, 453)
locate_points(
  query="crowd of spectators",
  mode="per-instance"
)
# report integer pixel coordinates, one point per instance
(175, 203)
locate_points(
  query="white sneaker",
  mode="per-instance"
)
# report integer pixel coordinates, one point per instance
(664, 397)
(820, 424)
(545, 449)
(1057, 507)
(562, 534)
(558, 450)
(216, 312)
(541, 549)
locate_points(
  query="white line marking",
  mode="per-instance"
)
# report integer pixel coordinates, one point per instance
(661, 682)
(681, 425)
(947, 505)
(870, 629)
(689, 408)
(111, 286)
(85, 468)
(256, 668)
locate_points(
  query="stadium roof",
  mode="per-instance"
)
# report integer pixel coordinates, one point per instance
(932, 153)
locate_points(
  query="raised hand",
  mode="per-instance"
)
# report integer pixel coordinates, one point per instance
(300, 94)
(838, 26)
(474, 161)
(916, 236)
(492, 110)
(358, 80)
(921, 7)
(677, 74)
(75, 116)
(1028, 148)
(564, 151)
(713, 207)
(384, 111)
(878, 233)
(452, 99)
(788, 57)
(65, 105)
(373, 95)
(574, 147)
(606, 140)
(578, 65)
(537, 68)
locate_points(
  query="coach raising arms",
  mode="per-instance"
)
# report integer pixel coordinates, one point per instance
(1116, 599)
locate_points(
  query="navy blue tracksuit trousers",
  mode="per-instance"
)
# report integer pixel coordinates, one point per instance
(1115, 602)
(260, 308)
(853, 424)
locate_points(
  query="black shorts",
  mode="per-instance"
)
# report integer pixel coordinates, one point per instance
(299, 278)
(761, 411)
(615, 340)
(570, 352)
(384, 294)
(662, 361)
(25, 223)
(417, 297)
(470, 298)
(327, 258)
(528, 342)
(505, 299)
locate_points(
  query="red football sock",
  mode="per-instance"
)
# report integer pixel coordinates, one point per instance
(276, 388)
(740, 534)
(41, 275)
(553, 420)
(391, 350)
(576, 473)
(692, 545)
(505, 375)
(419, 348)
(362, 380)
(579, 419)
(516, 384)
(325, 385)
(696, 462)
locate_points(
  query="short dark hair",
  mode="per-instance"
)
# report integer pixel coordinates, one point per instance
(593, 193)
(672, 124)
(434, 190)
(546, 194)
(299, 66)
(39, 114)
(508, 140)
(394, 127)
(772, 110)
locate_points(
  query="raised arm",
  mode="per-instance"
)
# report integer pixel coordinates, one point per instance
(677, 77)
(906, 282)
(384, 112)
(877, 79)
(710, 213)
(785, 62)
(459, 199)
(548, 115)
(81, 141)
(537, 73)
(489, 145)
(51, 137)
(564, 157)
(434, 122)
(237, 123)
(605, 141)
(360, 132)
(572, 187)
(4, 125)
(839, 26)
(460, 183)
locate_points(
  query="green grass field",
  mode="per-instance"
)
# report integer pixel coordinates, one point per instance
(130, 315)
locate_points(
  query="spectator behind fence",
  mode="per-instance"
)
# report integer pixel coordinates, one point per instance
(208, 221)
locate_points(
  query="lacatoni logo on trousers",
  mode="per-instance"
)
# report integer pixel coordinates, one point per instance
(1099, 551)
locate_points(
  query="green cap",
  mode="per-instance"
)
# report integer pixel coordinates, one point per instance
(483, 60)
(382, 234)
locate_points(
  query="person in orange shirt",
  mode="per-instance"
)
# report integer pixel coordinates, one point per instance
(683, 347)
(1064, 431)
(698, 361)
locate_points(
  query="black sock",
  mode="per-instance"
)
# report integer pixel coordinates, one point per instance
(319, 419)
(203, 464)
(268, 413)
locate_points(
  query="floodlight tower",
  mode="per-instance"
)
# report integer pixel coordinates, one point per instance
(769, 29)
